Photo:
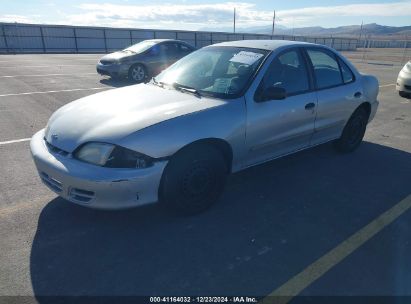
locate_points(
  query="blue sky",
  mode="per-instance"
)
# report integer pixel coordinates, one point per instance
(193, 15)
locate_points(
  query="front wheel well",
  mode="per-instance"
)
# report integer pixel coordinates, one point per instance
(219, 144)
(140, 64)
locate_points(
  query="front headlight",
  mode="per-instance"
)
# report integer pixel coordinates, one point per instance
(108, 155)
(95, 153)
(125, 158)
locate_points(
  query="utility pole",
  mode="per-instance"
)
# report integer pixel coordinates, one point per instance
(404, 58)
(362, 23)
(272, 32)
(234, 20)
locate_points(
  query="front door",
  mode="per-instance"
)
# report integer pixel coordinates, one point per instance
(279, 127)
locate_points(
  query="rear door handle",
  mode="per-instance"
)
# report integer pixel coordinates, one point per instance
(309, 106)
(357, 94)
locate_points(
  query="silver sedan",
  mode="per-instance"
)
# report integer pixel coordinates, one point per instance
(404, 81)
(218, 110)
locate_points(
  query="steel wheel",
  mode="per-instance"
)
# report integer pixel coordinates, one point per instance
(193, 180)
(353, 132)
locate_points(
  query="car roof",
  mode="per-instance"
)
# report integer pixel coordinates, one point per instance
(269, 45)
(164, 40)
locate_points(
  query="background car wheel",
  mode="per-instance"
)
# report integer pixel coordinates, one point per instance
(353, 132)
(404, 94)
(137, 73)
(193, 180)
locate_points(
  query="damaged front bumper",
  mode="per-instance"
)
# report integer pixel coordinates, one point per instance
(94, 186)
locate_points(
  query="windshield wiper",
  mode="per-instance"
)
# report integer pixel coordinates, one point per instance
(157, 83)
(187, 89)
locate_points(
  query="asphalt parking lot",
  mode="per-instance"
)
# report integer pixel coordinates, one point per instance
(314, 223)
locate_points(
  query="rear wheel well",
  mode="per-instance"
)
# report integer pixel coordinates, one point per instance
(366, 106)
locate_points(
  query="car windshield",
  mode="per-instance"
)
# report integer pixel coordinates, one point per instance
(140, 47)
(217, 71)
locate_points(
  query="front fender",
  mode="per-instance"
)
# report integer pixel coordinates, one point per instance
(227, 123)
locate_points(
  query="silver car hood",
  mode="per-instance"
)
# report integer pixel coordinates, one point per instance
(111, 115)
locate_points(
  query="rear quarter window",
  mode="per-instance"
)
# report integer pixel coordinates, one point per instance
(346, 72)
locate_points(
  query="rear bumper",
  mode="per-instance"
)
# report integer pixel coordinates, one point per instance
(113, 70)
(374, 107)
(94, 186)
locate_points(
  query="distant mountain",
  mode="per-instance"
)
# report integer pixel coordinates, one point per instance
(254, 29)
(372, 29)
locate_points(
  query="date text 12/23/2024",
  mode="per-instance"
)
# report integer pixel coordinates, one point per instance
(239, 299)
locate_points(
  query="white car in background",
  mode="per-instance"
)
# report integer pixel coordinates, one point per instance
(404, 81)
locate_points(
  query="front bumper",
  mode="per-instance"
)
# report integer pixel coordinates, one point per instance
(404, 82)
(94, 186)
(113, 70)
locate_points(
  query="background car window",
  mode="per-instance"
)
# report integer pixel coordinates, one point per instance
(326, 69)
(169, 49)
(141, 46)
(185, 49)
(289, 72)
(346, 72)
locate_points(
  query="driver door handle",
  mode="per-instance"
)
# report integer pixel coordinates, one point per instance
(310, 106)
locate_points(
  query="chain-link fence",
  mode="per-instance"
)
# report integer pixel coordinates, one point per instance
(34, 38)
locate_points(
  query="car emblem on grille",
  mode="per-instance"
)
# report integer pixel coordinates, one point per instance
(54, 137)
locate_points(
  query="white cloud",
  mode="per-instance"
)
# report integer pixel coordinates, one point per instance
(16, 18)
(306, 16)
(194, 16)
(157, 15)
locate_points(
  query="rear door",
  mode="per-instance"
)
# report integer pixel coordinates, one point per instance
(338, 93)
(278, 127)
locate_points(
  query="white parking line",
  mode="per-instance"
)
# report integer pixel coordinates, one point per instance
(47, 66)
(57, 91)
(45, 75)
(65, 58)
(13, 141)
(387, 85)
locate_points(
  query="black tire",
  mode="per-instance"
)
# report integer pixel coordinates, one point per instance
(405, 94)
(137, 73)
(353, 132)
(193, 180)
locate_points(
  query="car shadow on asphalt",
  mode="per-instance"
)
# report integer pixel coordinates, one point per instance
(271, 222)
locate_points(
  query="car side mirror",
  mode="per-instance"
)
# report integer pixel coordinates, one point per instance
(273, 93)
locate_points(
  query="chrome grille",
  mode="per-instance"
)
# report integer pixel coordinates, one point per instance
(55, 150)
(106, 62)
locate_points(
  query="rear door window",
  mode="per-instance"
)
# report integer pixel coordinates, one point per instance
(326, 69)
(185, 49)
